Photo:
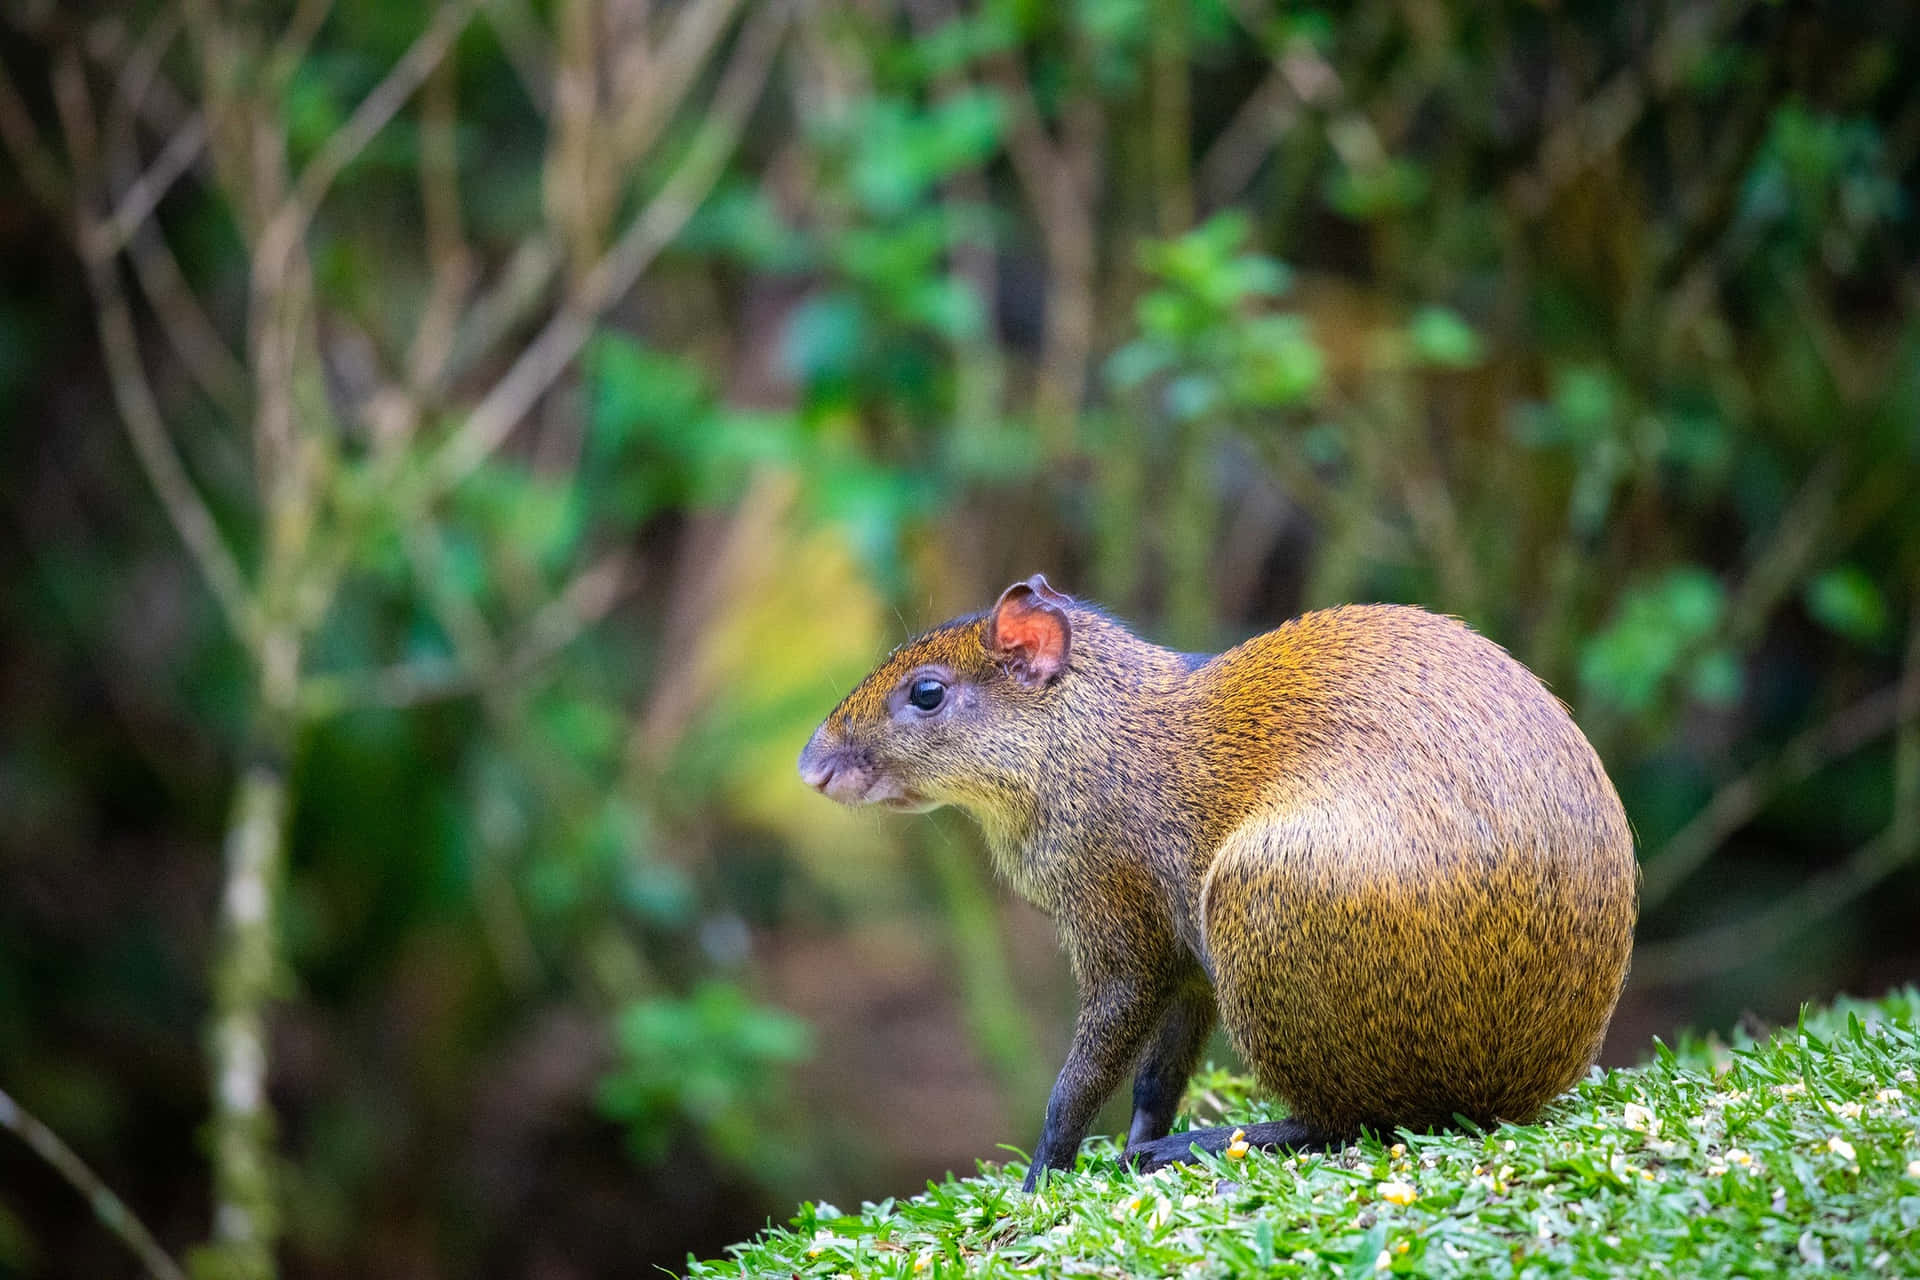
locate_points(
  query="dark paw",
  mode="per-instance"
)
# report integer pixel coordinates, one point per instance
(1177, 1148)
(1145, 1157)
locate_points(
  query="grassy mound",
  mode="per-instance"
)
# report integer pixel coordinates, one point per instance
(1794, 1156)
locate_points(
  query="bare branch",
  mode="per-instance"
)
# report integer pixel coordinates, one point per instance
(1592, 131)
(526, 47)
(109, 1208)
(138, 72)
(517, 294)
(1736, 942)
(980, 362)
(449, 259)
(183, 320)
(1797, 539)
(1906, 748)
(697, 28)
(1055, 180)
(301, 29)
(139, 410)
(1229, 164)
(367, 120)
(582, 603)
(30, 155)
(1738, 801)
(186, 325)
(609, 279)
(1170, 123)
(380, 105)
(145, 192)
(589, 597)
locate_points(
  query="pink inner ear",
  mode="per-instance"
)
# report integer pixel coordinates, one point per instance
(1032, 632)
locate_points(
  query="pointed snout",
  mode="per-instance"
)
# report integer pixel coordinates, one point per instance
(818, 761)
(851, 775)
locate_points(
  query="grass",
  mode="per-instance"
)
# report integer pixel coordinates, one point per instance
(1794, 1156)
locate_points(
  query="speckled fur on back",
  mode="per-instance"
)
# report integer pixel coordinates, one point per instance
(1371, 836)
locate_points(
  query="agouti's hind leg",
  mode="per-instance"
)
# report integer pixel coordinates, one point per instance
(1169, 1061)
(1177, 1148)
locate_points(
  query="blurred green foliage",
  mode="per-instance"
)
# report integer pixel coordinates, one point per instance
(711, 1057)
(1596, 325)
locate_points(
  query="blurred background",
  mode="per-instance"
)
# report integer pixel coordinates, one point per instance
(453, 455)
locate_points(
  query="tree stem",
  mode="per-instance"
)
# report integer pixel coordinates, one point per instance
(246, 1220)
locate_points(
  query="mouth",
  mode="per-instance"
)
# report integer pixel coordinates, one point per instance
(885, 793)
(856, 784)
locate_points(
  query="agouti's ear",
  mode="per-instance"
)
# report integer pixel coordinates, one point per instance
(1029, 633)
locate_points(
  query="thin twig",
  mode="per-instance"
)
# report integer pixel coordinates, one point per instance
(614, 274)
(1796, 542)
(1735, 803)
(138, 72)
(1726, 946)
(1053, 179)
(582, 603)
(305, 24)
(381, 103)
(1170, 125)
(186, 325)
(30, 155)
(1234, 157)
(109, 1208)
(145, 192)
(448, 257)
(979, 358)
(1736, 942)
(1906, 748)
(527, 49)
(184, 322)
(517, 293)
(1592, 131)
(139, 410)
(674, 66)
(290, 222)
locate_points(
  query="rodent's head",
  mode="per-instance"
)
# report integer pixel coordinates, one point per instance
(952, 717)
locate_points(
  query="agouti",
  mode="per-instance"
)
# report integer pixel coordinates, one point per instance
(1370, 842)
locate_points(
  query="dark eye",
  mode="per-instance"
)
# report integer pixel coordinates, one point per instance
(927, 694)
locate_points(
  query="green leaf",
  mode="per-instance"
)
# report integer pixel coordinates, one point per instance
(637, 393)
(1440, 337)
(741, 222)
(1139, 360)
(994, 453)
(1716, 678)
(1849, 603)
(825, 338)
(1192, 396)
(713, 1058)
(1395, 186)
(1585, 398)
(1655, 625)
(1280, 364)
(948, 306)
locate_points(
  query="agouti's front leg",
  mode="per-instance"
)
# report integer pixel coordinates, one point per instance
(1116, 1018)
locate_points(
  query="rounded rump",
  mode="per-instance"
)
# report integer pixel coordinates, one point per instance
(1427, 909)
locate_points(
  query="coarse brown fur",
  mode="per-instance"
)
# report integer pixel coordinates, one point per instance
(1370, 839)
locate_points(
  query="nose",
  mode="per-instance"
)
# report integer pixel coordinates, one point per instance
(817, 763)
